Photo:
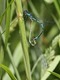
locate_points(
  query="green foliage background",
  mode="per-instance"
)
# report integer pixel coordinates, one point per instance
(24, 60)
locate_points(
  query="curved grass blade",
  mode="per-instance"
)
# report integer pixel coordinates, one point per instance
(12, 25)
(8, 71)
(55, 74)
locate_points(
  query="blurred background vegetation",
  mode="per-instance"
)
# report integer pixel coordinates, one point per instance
(45, 55)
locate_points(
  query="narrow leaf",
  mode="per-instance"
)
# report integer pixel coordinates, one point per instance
(55, 74)
(7, 23)
(8, 71)
(1, 17)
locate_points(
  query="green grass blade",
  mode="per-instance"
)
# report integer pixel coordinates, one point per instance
(55, 74)
(17, 57)
(10, 56)
(2, 16)
(23, 37)
(57, 7)
(12, 10)
(8, 71)
(7, 27)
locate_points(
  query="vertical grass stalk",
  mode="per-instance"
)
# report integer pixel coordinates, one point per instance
(23, 37)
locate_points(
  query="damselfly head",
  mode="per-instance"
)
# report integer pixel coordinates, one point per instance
(26, 13)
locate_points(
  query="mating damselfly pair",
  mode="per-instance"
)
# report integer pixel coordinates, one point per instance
(38, 25)
(37, 22)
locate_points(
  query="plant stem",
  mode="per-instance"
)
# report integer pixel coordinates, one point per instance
(10, 56)
(57, 7)
(23, 37)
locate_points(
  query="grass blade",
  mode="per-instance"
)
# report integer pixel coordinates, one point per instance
(8, 71)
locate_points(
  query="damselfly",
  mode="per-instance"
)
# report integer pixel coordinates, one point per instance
(38, 21)
(32, 18)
